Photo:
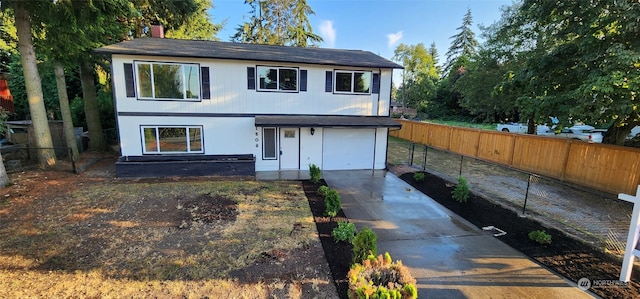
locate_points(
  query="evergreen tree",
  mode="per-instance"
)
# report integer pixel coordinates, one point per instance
(277, 22)
(433, 51)
(463, 44)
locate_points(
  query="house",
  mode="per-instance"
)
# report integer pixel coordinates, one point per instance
(187, 107)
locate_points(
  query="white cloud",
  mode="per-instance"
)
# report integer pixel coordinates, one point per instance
(394, 38)
(328, 33)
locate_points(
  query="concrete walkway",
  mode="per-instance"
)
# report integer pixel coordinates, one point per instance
(448, 256)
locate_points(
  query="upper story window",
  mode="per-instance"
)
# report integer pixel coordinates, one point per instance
(277, 79)
(172, 139)
(352, 82)
(168, 81)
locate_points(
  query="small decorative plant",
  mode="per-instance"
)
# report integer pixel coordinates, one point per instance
(461, 192)
(364, 244)
(315, 173)
(345, 232)
(418, 177)
(331, 203)
(381, 278)
(540, 236)
(322, 190)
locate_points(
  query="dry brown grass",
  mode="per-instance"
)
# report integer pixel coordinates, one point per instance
(115, 239)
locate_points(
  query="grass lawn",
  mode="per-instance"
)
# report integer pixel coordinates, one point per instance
(482, 126)
(66, 236)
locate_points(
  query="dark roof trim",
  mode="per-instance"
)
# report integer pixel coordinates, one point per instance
(240, 51)
(326, 121)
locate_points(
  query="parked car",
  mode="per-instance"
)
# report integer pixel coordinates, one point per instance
(522, 128)
(582, 132)
(513, 127)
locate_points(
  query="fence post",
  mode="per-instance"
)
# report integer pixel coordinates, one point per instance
(526, 195)
(424, 158)
(411, 153)
(73, 161)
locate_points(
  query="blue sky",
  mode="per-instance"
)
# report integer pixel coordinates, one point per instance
(378, 25)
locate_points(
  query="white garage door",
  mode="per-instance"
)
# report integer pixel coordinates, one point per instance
(348, 149)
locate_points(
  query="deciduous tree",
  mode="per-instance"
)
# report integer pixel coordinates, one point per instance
(420, 74)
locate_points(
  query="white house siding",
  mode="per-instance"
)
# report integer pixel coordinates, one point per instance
(229, 93)
(221, 135)
(380, 161)
(385, 92)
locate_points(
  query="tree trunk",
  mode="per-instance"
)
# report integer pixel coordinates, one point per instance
(63, 98)
(618, 134)
(42, 134)
(91, 112)
(4, 178)
(531, 126)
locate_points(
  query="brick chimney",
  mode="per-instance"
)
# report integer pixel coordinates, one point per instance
(157, 30)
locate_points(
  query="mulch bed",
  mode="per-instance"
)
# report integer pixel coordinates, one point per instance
(565, 255)
(339, 254)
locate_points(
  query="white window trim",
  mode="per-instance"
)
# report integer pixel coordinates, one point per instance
(278, 68)
(158, 152)
(276, 149)
(184, 80)
(335, 82)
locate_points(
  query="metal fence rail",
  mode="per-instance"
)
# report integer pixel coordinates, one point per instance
(593, 216)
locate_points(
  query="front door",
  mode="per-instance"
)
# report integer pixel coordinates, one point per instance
(289, 148)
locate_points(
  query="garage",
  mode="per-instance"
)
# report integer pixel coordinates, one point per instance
(347, 148)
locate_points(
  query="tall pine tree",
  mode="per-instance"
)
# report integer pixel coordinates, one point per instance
(277, 22)
(463, 46)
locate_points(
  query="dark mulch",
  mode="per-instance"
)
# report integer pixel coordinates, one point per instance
(339, 254)
(565, 255)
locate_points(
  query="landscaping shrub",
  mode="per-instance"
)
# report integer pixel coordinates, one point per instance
(322, 190)
(315, 173)
(461, 192)
(331, 202)
(364, 244)
(381, 278)
(345, 232)
(418, 177)
(540, 236)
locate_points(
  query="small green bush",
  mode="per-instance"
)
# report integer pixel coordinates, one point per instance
(540, 236)
(418, 176)
(364, 245)
(315, 173)
(461, 192)
(381, 278)
(345, 232)
(322, 190)
(331, 203)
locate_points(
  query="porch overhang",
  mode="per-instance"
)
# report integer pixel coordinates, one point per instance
(321, 121)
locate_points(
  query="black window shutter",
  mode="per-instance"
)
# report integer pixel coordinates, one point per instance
(206, 82)
(376, 83)
(303, 80)
(251, 78)
(128, 80)
(328, 85)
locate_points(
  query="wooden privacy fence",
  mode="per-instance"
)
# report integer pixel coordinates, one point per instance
(604, 167)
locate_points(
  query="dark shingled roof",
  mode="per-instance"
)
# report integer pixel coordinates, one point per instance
(240, 51)
(326, 121)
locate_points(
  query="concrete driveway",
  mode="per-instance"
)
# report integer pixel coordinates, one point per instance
(448, 256)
